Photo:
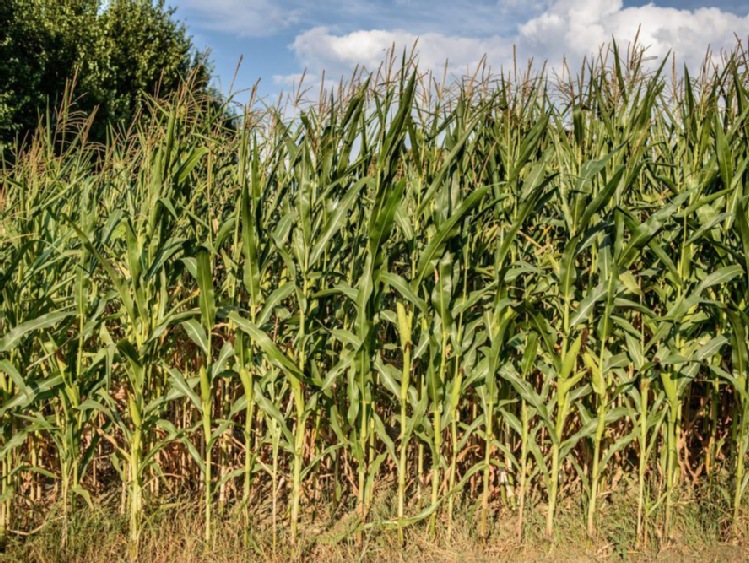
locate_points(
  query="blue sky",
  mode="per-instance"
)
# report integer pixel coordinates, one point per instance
(280, 39)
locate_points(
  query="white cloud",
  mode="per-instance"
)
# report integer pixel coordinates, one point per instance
(244, 18)
(565, 28)
(318, 49)
(579, 27)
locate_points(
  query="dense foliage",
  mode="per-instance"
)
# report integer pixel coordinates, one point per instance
(507, 291)
(114, 52)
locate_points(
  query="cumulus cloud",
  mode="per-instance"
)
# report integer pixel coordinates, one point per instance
(579, 27)
(570, 29)
(319, 49)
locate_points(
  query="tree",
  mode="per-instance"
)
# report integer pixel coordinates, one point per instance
(116, 51)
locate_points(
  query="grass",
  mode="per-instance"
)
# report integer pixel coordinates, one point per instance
(175, 533)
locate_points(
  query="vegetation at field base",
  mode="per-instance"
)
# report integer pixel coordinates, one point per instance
(509, 298)
(115, 50)
(175, 533)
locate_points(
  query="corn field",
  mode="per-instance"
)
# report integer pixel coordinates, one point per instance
(504, 291)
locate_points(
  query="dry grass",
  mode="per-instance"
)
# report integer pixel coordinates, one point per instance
(175, 534)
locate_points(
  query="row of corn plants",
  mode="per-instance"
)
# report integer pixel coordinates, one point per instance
(505, 291)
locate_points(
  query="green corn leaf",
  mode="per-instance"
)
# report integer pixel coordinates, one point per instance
(183, 387)
(445, 231)
(264, 342)
(11, 339)
(197, 334)
(402, 287)
(205, 283)
(337, 220)
(586, 305)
